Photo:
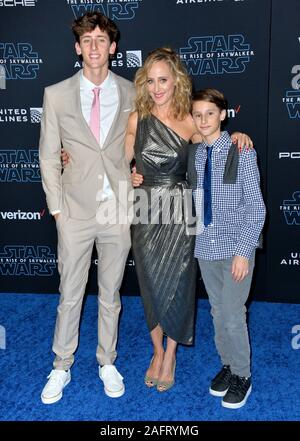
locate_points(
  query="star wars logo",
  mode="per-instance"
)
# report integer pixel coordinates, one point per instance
(20, 166)
(291, 209)
(114, 9)
(292, 97)
(27, 260)
(19, 60)
(216, 54)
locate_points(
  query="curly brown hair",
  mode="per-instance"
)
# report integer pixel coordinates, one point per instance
(181, 100)
(89, 21)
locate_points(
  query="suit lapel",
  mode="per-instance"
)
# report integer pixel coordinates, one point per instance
(86, 131)
(116, 118)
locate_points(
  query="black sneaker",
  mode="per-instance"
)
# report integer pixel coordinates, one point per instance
(221, 382)
(238, 392)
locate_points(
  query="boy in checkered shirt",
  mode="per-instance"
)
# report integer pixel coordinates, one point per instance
(234, 214)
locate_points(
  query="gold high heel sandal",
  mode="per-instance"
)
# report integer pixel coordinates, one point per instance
(163, 386)
(150, 381)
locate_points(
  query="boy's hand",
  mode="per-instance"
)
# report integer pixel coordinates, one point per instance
(242, 140)
(65, 158)
(136, 178)
(240, 268)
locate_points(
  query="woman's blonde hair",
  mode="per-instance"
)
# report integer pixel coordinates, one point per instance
(181, 101)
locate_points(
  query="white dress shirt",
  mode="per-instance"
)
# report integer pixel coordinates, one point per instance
(109, 100)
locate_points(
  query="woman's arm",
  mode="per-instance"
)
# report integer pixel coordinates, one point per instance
(136, 178)
(130, 136)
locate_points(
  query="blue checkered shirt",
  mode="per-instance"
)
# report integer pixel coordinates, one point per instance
(238, 210)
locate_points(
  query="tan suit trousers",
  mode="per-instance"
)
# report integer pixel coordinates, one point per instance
(76, 239)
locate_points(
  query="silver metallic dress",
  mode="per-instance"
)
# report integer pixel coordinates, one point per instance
(162, 249)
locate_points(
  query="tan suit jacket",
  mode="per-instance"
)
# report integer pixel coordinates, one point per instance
(75, 191)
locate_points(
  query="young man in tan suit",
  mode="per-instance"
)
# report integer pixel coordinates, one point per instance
(87, 115)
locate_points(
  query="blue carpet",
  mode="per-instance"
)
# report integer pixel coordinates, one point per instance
(27, 360)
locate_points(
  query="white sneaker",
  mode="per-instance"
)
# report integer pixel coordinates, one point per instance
(112, 379)
(52, 392)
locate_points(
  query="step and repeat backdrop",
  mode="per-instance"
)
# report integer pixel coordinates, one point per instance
(249, 49)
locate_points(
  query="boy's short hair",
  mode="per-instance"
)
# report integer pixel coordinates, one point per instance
(89, 21)
(212, 96)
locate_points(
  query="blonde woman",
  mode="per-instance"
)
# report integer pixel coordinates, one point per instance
(158, 135)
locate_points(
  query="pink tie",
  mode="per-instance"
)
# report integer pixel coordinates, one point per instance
(95, 115)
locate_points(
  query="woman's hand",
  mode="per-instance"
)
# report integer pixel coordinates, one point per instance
(242, 140)
(65, 158)
(136, 178)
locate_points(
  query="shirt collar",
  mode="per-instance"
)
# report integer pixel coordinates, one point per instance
(88, 85)
(223, 141)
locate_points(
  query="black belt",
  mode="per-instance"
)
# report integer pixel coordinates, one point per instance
(163, 180)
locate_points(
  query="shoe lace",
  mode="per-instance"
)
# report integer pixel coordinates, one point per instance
(238, 384)
(110, 371)
(55, 377)
(226, 373)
